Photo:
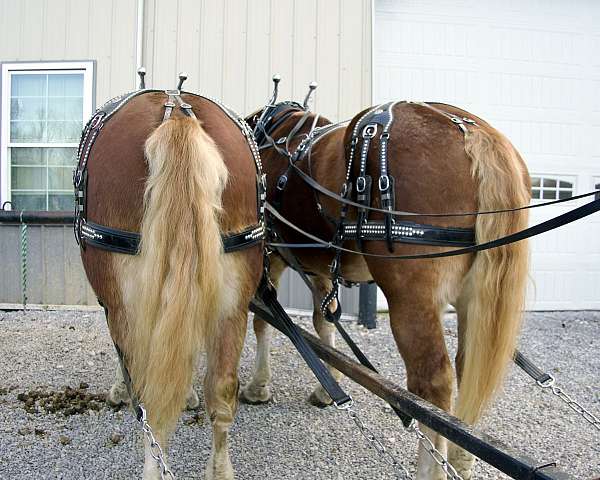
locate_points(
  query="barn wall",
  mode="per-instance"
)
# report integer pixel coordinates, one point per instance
(62, 30)
(229, 48)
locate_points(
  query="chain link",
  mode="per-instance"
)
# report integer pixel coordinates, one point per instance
(573, 405)
(155, 449)
(437, 456)
(401, 472)
(24, 251)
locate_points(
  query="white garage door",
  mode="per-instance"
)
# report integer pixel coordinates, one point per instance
(532, 69)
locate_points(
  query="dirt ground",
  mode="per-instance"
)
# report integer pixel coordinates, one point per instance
(55, 368)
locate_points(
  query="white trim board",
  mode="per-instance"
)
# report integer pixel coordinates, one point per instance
(8, 69)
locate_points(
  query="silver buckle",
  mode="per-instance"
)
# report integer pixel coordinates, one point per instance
(384, 180)
(361, 184)
(547, 383)
(369, 131)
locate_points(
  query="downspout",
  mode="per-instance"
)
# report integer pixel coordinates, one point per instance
(139, 40)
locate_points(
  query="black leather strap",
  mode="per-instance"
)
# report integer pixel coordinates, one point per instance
(410, 232)
(564, 219)
(530, 368)
(121, 241)
(334, 317)
(317, 186)
(111, 239)
(248, 238)
(266, 305)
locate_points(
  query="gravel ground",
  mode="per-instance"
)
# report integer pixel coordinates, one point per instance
(286, 439)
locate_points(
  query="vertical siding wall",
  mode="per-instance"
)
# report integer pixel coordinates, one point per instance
(58, 30)
(230, 50)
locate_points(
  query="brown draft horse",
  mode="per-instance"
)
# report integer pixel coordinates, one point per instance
(181, 184)
(437, 169)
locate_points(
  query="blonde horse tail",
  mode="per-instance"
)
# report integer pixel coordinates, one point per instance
(181, 264)
(495, 285)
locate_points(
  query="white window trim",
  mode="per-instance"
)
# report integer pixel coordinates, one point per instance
(38, 67)
(565, 177)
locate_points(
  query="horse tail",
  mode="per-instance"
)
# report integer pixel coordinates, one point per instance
(495, 284)
(181, 262)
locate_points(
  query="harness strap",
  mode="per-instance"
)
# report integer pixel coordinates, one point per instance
(173, 101)
(266, 305)
(530, 368)
(121, 241)
(334, 317)
(321, 189)
(564, 219)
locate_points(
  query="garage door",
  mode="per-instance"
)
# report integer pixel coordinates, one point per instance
(532, 69)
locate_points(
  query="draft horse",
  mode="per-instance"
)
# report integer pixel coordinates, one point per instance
(438, 159)
(181, 170)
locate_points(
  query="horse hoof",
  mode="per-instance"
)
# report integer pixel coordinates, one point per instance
(319, 398)
(118, 395)
(255, 395)
(462, 461)
(192, 402)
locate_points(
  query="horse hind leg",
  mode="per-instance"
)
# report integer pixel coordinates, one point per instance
(221, 383)
(258, 390)
(415, 322)
(460, 459)
(326, 331)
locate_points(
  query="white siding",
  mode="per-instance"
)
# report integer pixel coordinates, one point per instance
(531, 68)
(231, 48)
(59, 30)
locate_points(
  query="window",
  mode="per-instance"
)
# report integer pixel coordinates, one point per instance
(551, 187)
(44, 106)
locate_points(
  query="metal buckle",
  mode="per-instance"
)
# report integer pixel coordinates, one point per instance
(281, 140)
(384, 179)
(170, 105)
(173, 92)
(549, 382)
(369, 131)
(361, 184)
(96, 121)
(344, 190)
(333, 266)
(282, 182)
(346, 405)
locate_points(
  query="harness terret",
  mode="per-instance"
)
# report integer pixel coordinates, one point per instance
(121, 241)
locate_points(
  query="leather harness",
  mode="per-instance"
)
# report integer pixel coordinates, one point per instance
(376, 122)
(121, 241)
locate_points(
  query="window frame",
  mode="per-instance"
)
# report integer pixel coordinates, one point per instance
(87, 67)
(564, 177)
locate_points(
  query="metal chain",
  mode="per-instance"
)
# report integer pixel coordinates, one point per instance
(573, 405)
(24, 249)
(437, 456)
(155, 449)
(375, 443)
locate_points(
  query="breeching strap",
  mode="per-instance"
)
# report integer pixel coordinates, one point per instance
(559, 221)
